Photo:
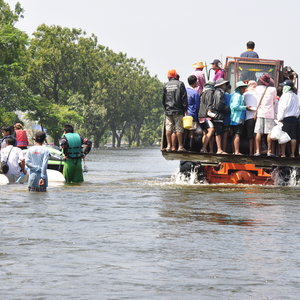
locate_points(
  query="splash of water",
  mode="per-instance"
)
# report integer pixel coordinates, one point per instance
(187, 178)
(286, 177)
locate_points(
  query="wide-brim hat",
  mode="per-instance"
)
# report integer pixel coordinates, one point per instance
(241, 84)
(199, 65)
(265, 79)
(220, 82)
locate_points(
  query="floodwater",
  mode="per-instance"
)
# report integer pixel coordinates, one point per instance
(131, 232)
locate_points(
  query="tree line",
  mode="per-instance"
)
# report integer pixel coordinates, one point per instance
(61, 76)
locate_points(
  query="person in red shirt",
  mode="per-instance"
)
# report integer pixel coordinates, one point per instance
(21, 136)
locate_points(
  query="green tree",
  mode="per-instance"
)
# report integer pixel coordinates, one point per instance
(14, 94)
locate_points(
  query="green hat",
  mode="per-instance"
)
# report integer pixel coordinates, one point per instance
(240, 84)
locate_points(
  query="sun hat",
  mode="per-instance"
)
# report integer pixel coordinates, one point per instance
(220, 82)
(172, 73)
(240, 84)
(199, 65)
(265, 79)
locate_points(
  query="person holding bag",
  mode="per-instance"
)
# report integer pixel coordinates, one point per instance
(266, 93)
(288, 112)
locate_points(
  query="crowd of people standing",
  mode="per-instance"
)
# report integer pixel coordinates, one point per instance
(21, 163)
(251, 110)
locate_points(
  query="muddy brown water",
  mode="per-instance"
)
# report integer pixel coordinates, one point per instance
(133, 232)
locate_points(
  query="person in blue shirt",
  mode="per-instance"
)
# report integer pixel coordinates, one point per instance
(250, 51)
(37, 161)
(238, 113)
(193, 104)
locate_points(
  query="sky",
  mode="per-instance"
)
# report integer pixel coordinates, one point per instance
(175, 34)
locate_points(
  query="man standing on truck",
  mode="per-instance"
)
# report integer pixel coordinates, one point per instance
(175, 105)
(288, 112)
(250, 51)
(199, 66)
(205, 122)
(217, 110)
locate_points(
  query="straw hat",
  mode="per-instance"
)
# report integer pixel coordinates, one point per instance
(199, 65)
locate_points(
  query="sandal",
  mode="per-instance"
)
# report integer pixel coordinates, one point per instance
(222, 152)
(181, 149)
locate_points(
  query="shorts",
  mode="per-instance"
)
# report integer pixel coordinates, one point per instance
(226, 128)
(174, 123)
(264, 125)
(237, 129)
(218, 128)
(249, 126)
(290, 127)
(206, 125)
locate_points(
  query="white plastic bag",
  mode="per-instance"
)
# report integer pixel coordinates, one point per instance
(284, 138)
(276, 132)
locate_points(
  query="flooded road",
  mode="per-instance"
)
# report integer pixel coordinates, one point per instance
(131, 232)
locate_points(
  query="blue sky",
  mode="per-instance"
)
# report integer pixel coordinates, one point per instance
(175, 34)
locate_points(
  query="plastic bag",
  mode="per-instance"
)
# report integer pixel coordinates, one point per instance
(276, 132)
(284, 138)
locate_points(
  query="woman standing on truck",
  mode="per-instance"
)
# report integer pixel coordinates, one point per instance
(266, 95)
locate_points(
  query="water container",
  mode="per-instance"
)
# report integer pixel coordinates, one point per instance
(187, 122)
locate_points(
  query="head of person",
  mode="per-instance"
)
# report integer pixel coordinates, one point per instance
(241, 87)
(10, 141)
(18, 126)
(40, 137)
(252, 84)
(287, 86)
(6, 130)
(177, 76)
(172, 74)
(200, 65)
(228, 87)
(265, 80)
(216, 64)
(192, 80)
(250, 45)
(209, 85)
(68, 128)
(221, 83)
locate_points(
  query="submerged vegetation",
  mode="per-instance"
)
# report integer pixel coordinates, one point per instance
(61, 75)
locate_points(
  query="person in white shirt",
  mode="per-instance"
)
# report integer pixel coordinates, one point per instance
(288, 113)
(14, 158)
(250, 99)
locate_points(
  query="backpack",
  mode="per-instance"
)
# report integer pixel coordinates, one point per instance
(4, 168)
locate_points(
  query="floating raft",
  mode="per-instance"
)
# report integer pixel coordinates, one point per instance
(207, 159)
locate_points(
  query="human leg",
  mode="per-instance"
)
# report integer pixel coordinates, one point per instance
(257, 143)
(236, 144)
